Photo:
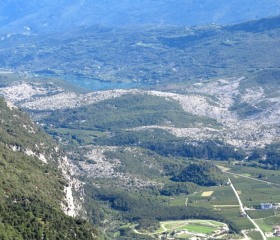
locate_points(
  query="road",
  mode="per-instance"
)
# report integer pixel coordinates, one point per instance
(243, 211)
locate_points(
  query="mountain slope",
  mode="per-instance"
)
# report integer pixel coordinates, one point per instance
(31, 187)
(146, 56)
(243, 112)
(56, 16)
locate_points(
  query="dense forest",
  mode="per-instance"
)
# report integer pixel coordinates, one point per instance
(269, 157)
(166, 144)
(202, 173)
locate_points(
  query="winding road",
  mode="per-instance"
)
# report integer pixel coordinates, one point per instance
(243, 210)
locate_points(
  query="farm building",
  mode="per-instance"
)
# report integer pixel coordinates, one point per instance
(266, 205)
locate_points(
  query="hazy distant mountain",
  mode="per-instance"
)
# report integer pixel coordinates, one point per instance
(47, 15)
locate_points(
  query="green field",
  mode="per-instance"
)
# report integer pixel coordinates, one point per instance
(255, 235)
(252, 193)
(76, 136)
(197, 229)
(188, 228)
(263, 225)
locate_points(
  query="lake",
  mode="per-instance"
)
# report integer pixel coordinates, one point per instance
(97, 85)
(92, 84)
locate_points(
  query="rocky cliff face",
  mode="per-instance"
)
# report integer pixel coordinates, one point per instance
(35, 179)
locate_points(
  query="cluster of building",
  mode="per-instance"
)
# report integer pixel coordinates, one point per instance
(266, 206)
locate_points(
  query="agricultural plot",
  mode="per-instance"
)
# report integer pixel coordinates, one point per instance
(263, 225)
(261, 213)
(252, 192)
(207, 193)
(266, 224)
(257, 173)
(222, 195)
(255, 191)
(179, 201)
(255, 235)
(222, 201)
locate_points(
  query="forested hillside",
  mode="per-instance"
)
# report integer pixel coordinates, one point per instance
(31, 186)
(204, 174)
